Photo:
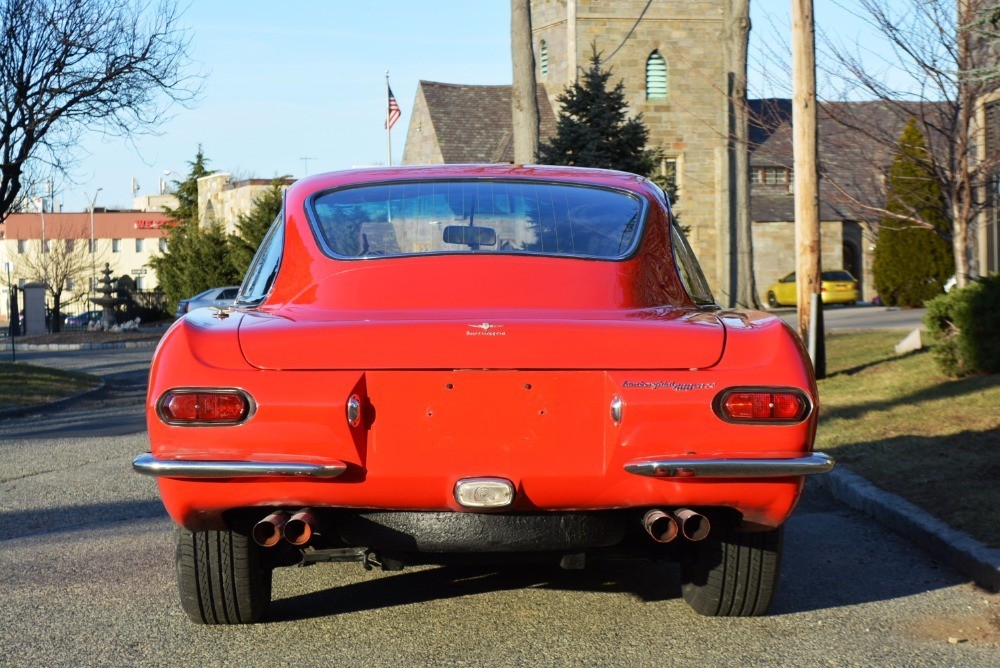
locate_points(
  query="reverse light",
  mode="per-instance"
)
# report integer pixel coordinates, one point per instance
(762, 405)
(193, 407)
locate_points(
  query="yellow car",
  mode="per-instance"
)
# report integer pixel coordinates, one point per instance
(838, 287)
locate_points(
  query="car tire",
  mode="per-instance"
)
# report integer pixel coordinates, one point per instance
(734, 575)
(772, 301)
(221, 578)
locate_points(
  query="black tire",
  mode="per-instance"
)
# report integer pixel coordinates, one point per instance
(772, 301)
(221, 578)
(734, 575)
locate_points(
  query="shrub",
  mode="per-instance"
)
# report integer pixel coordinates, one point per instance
(966, 327)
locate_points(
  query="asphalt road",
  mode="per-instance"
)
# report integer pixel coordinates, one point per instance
(863, 317)
(86, 566)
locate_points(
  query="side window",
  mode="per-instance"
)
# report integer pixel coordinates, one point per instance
(689, 269)
(264, 267)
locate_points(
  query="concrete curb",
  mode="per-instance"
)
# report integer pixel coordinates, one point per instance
(24, 410)
(34, 347)
(952, 547)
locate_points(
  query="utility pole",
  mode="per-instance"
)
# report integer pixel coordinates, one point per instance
(807, 231)
(305, 166)
(93, 265)
(523, 96)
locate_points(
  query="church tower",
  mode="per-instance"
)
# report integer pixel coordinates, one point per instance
(669, 55)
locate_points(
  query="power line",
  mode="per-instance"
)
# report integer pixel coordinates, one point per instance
(629, 34)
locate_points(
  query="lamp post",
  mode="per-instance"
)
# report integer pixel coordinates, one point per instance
(93, 266)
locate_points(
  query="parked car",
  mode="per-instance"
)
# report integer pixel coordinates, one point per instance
(431, 364)
(837, 287)
(217, 297)
(82, 320)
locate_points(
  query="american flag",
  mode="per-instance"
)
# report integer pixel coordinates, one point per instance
(394, 113)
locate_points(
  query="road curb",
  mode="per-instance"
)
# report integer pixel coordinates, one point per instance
(34, 347)
(31, 408)
(950, 546)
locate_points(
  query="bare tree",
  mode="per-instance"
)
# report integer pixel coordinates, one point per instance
(524, 100)
(67, 66)
(63, 265)
(743, 289)
(948, 48)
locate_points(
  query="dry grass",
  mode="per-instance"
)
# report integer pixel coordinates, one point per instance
(24, 384)
(899, 422)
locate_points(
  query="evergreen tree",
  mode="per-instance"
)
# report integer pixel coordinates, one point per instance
(196, 258)
(912, 262)
(253, 225)
(593, 128)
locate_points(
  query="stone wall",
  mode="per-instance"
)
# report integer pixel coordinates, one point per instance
(421, 140)
(689, 124)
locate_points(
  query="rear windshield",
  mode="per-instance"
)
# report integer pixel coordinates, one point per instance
(837, 276)
(411, 218)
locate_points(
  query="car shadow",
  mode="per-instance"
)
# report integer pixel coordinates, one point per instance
(889, 357)
(833, 557)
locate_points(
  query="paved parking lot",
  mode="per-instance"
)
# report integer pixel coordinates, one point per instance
(86, 561)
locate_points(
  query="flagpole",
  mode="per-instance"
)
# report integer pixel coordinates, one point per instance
(388, 126)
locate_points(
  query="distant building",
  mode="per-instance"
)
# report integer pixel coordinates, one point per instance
(160, 202)
(124, 239)
(221, 199)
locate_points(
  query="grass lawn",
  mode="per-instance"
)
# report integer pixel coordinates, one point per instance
(24, 384)
(900, 423)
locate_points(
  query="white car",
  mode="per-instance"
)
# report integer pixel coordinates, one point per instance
(217, 297)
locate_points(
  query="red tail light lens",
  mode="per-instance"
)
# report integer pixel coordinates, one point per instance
(762, 405)
(194, 407)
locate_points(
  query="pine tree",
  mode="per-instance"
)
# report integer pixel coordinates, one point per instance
(196, 258)
(912, 263)
(253, 225)
(593, 128)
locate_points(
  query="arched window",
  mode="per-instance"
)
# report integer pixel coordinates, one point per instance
(543, 58)
(656, 77)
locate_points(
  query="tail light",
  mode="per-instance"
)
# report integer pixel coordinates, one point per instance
(194, 407)
(763, 405)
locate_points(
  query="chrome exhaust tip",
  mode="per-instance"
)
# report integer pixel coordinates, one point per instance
(694, 526)
(267, 532)
(660, 526)
(299, 528)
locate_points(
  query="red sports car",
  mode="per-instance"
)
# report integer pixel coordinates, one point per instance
(430, 364)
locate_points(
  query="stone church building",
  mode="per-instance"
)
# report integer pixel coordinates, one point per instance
(670, 60)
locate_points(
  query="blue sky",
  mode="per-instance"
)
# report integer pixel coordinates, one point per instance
(306, 79)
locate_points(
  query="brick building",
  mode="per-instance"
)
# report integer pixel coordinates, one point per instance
(124, 239)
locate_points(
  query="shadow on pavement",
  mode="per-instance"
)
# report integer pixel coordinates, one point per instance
(70, 519)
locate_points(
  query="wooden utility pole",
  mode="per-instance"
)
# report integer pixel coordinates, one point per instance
(807, 233)
(523, 98)
(743, 289)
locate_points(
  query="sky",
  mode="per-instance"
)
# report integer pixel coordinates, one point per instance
(298, 88)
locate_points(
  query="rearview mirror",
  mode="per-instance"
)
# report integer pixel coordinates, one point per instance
(468, 235)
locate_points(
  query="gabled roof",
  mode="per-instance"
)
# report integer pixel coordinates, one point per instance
(473, 123)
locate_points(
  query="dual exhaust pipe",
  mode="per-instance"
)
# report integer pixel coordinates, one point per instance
(663, 526)
(297, 529)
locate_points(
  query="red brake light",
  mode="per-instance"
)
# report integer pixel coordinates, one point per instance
(194, 407)
(763, 406)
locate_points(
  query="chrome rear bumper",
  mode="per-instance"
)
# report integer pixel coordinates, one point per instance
(189, 468)
(815, 463)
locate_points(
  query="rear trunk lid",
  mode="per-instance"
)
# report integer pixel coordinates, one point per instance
(665, 338)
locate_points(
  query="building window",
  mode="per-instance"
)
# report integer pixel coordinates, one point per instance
(46, 245)
(70, 245)
(92, 245)
(543, 58)
(163, 245)
(22, 246)
(140, 283)
(668, 174)
(771, 176)
(116, 245)
(138, 245)
(70, 283)
(656, 77)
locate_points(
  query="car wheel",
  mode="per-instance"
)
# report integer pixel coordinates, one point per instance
(221, 578)
(772, 301)
(734, 575)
